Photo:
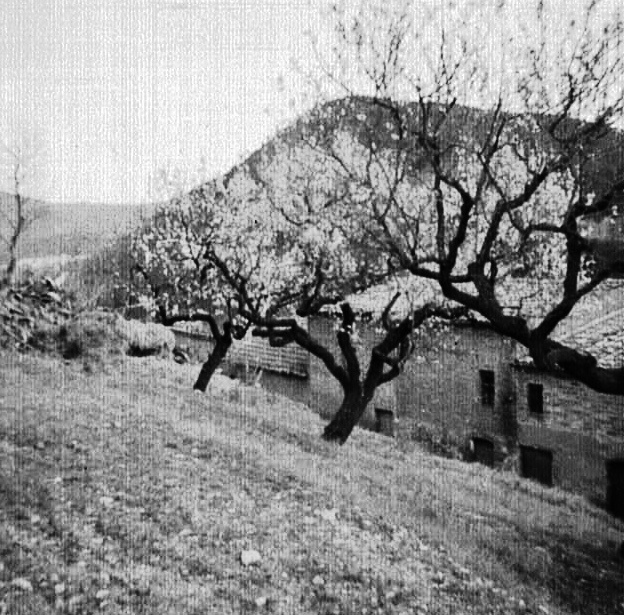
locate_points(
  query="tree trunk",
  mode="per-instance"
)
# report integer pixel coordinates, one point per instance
(585, 369)
(222, 345)
(354, 404)
(9, 275)
(358, 396)
(357, 392)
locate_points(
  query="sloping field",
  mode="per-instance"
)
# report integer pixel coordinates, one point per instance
(123, 491)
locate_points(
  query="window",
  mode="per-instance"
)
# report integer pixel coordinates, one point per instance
(487, 387)
(483, 451)
(536, 463)
(535, 398)
(615, 487)
(384, 421)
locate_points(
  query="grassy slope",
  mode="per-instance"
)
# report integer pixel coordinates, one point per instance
(131, 483)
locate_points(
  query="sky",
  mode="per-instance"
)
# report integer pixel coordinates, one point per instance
(102, 94)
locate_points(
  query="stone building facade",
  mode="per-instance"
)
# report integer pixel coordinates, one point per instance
(456, 387)
(472, 389)
(568, 434)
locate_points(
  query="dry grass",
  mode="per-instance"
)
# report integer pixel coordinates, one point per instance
(128, 481)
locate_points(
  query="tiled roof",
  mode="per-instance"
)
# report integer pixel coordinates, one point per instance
(528, 296)
(415, 292)
(595, 325)
(602, 337)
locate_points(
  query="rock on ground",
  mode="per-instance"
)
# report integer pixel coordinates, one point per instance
(146, 338)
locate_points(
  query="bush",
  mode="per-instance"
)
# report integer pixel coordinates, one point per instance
(107, 333)
(436, 442)
(103, 334)
(92, 333)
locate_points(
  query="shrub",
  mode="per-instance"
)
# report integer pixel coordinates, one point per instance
(92, 333)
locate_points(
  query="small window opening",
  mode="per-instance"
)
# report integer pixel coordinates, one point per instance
(384, 421)
(483, 451)
(536, 463)
(535, 398)
(615, 487)
(488, 389)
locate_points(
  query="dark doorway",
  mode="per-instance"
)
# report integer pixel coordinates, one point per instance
(483, 451)
(615, 487)
(536, 463)
(384, 422)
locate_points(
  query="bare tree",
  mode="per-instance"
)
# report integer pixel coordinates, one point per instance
(166, 261)
(16, 209)
(481, 140)
(311, 240)
(279, 239)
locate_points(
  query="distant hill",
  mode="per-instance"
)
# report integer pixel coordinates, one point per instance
(74, 229)
(346, 124)
(357, 120)
(359, 117)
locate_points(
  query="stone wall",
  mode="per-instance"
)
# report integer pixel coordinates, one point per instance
(255, 352)
(582, 429)
(251, 353)
(569, 405)
(440, 389)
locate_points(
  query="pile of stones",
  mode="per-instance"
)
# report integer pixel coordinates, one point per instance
(29, 307)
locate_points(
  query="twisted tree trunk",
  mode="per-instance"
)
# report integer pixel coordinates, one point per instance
(349, 414)
(223, 342)
(386, 360)
(210, 366)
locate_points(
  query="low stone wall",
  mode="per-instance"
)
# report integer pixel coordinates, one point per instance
(252, 353)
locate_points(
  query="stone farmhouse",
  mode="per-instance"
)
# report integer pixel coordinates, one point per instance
(568, 434)
(475, 391)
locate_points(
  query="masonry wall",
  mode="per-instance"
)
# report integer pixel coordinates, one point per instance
(582, 428)
(321, 391)
(256, 352)
(440, 390)
(251, 353)
(439, 393)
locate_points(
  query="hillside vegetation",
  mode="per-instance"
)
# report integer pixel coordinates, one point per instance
(124, 491)
(74, 228)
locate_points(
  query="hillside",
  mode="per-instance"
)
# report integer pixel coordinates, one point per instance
(74, 228)
(360, 118)
(124, 491)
